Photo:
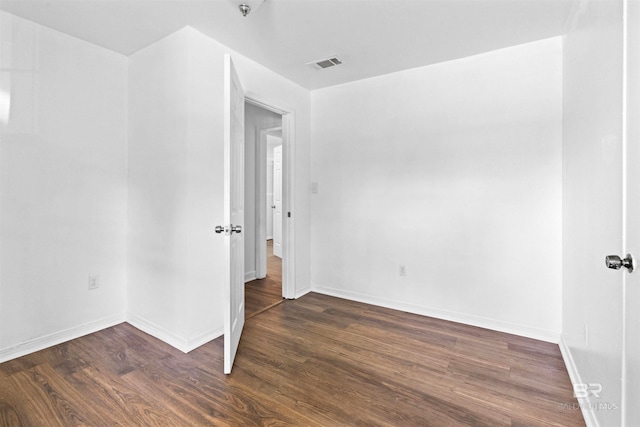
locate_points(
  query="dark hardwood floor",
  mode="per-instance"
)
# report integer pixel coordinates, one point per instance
(262, 294)
(314, 361)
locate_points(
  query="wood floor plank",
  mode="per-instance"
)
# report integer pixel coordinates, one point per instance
(256, 398)
(130, 405)
(262, 294)
(314, 361)
(51, 400)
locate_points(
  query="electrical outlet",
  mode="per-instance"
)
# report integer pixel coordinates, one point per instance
(403, 270)
(94, 282)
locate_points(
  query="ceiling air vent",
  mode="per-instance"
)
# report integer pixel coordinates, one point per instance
(324, 63)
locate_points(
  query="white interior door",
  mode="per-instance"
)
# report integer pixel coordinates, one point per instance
(592, 208)
(233, 212)
(277, 201)
(631, 360)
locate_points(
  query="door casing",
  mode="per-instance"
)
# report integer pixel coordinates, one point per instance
(288, 197)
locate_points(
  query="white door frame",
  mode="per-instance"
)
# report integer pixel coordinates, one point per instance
(277, 202)
(630, 227)
(288, 199)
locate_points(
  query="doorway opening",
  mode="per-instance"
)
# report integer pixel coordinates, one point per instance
(264, 208)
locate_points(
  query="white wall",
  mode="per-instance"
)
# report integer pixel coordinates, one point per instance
(176, 182)
(63, 192)
(453, 170)
(256, 119)
(592, 202)
(158, 220)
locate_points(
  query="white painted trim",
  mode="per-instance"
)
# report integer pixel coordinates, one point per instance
(249, 276)
(261, 200)
(288, 205)
(482, 322)
(288, 191)
(626, 235)
(185, 345)
(46, 341)
(203, 338)
(586, 405)
(255, 99)
(302, 292)
(158, 332)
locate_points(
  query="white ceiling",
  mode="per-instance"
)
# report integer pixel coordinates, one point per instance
(372, 37)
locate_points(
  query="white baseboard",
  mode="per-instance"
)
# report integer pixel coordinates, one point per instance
(586, 406)
(181, 343)
(203, 338)
(249, 276)
(46, 341)
(302, 292)
(482, 322)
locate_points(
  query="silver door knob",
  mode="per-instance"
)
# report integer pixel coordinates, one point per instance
(219, 229)
(616, 263)
(236, 229)
(273, 206)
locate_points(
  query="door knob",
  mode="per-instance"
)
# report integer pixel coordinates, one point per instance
(616, 263)
(273, 206)
(228, 230)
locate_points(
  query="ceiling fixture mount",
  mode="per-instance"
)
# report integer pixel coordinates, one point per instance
(245, 9)
(248, 6)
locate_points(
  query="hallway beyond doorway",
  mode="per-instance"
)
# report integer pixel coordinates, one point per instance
(262, 294)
